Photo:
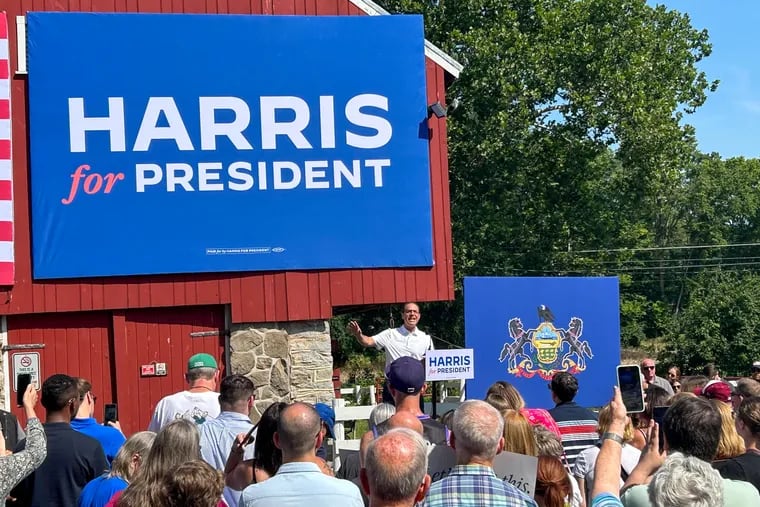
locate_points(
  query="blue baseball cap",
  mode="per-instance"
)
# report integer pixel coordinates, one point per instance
(327, 414)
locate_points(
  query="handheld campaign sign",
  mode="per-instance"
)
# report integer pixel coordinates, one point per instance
(517, 469)
(524, 330)
(449, 364)
(204, 143)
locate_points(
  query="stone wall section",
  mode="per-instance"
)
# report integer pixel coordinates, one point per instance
(287, 362)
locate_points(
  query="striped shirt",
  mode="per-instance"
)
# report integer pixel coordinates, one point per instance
(578, 428)
(475, 486)
(606, 500)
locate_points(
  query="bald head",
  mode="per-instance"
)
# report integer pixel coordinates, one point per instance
(297, 430)
(396, 466)
(406, 420)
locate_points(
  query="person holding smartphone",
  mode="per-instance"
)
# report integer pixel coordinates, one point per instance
(110, 436)
(14, 467)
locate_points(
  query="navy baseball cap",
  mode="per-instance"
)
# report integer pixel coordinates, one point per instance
(407, 375)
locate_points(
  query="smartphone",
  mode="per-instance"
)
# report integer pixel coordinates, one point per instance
(111, 413)
(22, 382)
(249, 436)
(629, 381)
(658, 414)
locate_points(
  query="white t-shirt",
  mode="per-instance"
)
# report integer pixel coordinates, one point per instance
(575, 498)
(401, 342)
(585, 463)
(195, 407)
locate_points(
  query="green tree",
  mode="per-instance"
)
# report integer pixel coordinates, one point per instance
(720, 324)
(569, 139)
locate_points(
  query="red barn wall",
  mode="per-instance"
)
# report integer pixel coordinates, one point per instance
(253, 297)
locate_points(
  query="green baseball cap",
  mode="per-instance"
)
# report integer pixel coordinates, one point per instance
(201, 361)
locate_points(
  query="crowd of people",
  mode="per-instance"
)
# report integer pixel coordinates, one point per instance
(695, 444)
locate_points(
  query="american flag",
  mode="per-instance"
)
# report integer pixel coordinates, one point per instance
(6, 176)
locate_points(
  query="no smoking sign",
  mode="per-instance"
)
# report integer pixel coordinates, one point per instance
(26, 362)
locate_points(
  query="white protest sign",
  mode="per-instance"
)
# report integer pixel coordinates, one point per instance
(517, 469)
(450, 364)
(26, 362)
(441, 460)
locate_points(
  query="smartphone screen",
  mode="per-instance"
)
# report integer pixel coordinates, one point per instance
(658, 414)
(629, 381)
(111, 413)
(22, 382)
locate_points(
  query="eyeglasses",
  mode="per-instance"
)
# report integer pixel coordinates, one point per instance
(647, 367)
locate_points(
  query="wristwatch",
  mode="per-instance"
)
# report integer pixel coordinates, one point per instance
(613, 436)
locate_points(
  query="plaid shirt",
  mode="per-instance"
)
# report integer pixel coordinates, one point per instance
(476, 486)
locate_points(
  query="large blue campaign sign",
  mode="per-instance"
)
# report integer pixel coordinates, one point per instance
(204, 143)
(524, 330)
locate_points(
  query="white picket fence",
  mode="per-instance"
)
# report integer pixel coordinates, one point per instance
(345, 413)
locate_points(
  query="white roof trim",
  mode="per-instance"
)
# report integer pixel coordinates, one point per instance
(432, 51)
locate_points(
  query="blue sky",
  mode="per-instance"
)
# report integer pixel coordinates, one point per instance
(729, 122)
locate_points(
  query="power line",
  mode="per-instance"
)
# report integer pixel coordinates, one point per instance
(655, 248)
(656, 261)
(622, 270)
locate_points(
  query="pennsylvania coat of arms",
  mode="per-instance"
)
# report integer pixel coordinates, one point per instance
(545, 349)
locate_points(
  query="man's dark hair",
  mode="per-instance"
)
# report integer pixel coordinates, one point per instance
(693, 426)
(747, 387)
(564, 386)
(235, 388)
(749, 413)
(84, 387)
(710, 370)
(57, 391)
(297, 428)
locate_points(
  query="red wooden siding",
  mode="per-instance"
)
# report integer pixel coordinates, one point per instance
(162, 336)
(77, 344)
(109, 348)
(254, 297)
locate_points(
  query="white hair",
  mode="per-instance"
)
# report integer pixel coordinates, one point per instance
(686, 481)
(477, 428)
(381, 413)
(396, 465)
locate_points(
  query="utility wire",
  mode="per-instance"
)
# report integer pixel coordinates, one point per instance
(655, 248)
(655, 261)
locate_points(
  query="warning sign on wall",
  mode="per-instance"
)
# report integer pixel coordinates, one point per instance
(26, 362)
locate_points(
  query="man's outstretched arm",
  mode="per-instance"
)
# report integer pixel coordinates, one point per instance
(356, 331)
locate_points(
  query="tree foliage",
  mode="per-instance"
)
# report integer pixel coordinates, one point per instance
(570, 154)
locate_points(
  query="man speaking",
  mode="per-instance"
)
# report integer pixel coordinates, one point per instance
(406, 340)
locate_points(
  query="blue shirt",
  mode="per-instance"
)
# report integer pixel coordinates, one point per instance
(99, 491)
(475, 486)
(606, 500)
(110, 438)
(217, 437)
(298, 484)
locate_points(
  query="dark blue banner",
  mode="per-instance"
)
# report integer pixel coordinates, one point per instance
(524, 330)
(204, 143)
